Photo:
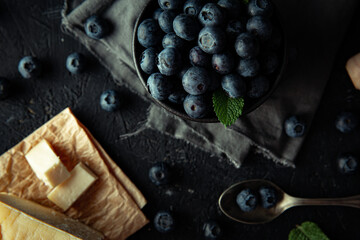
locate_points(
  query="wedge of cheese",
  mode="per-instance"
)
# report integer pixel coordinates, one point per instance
(66, 193)
(27, 220)
(46, 164)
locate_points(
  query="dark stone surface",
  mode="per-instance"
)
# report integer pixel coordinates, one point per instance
(32, 28)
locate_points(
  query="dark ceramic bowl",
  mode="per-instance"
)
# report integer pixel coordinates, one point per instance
(250, 104)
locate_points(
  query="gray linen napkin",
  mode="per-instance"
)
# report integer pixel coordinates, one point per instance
(314, 28)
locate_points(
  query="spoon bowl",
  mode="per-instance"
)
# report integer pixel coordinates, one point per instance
(230, 208)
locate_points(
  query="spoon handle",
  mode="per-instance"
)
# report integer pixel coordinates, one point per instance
(353, 201)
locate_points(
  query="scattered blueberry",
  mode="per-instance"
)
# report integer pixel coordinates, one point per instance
(232, 7)
(211, 15)
(196, 81)
(199, 58)
(269, 62)
(159, 174)
(170, 4)
(196, 106)
(268, 197)
(169, 61)
(160, 87)
(347, 163)
(110, 100)
(157, 13)
(164, 222)
(75, 63)
(234, 85)
(294, 127)
(186, 27)
(4, 88)
(234, 28)
(96, 27)
(29, 67)
(166, 19)
(193, 7)
(223, 63)
(248, 67)
(246, 200)
(260, 27)
(346, 122)
(212, 40)
(212, 230)
(148, 60)
(172, 40)
(247, 46)
(260, 7)
(178, 97)
(149, 33)
(258, 86)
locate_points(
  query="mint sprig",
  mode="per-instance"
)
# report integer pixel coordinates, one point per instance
(246, 1)
(227, 109)
(307, 231)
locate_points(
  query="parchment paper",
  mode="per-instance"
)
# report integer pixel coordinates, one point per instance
(110, 206)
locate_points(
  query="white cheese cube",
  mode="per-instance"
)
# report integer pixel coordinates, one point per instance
(46, 164)
(66, 193)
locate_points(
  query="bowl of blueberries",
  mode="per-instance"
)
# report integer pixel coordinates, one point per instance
(187, 51)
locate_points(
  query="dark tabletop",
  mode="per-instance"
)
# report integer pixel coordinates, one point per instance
(33, 28)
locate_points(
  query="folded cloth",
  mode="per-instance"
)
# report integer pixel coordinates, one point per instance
(314, 28)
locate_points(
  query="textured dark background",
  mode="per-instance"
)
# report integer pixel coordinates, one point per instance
(32, 28)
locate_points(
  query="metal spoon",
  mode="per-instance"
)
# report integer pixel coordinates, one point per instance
(229, 207)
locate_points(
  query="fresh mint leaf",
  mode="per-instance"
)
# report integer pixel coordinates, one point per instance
(246, 1)
(227, 109)
(307, 231)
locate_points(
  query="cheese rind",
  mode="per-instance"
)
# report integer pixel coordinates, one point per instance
(46, 164)
(24, 219)
(66, 193)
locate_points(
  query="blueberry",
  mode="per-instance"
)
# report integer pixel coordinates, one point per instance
(247, 46)
(164, 222)
(75, 63)
(211, 15)
(169, 61)
(258, 86)
(157, 13)
(149, 33)
(196, 81)
(234, 85)
(160, 87)
(148, 60)
(234, 28)
(294, 127)
(212, 230)
(223, 63)
(248, 67)
(170, 4)
(172, 40)
(246, 200)
(269, 62)
(183, 71)
(268, 197)
(166, 19)
(178, 97)
(110, 100)
(212, 40)
(4, 88)
(159, 174)
(29, 67)
(260, 27)
(193, 7)
(196, 106)
(347, 163)
(199, 58)
(186, 27)
(260, 7)
(346, 122)
(96, 27)
(232, 7)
